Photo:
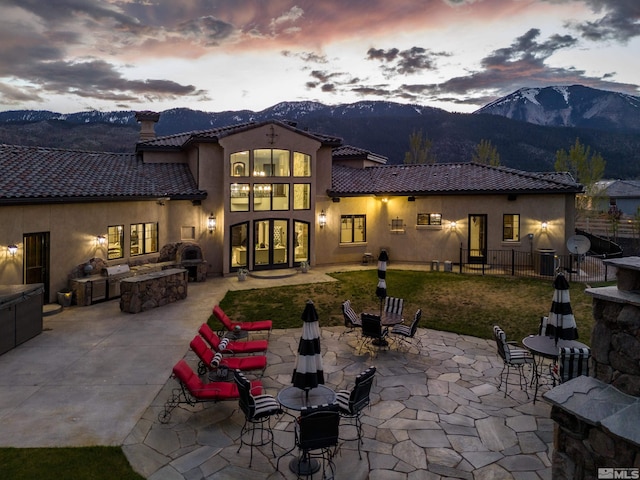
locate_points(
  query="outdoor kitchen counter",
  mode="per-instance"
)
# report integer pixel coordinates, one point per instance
(151, 290)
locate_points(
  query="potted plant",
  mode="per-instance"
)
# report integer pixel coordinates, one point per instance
(242, 274)
(304, 266)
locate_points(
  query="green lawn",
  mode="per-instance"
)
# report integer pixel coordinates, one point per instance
(465, 304)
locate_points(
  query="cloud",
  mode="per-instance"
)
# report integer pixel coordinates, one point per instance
(209, 30)
(620, 21)
(404, 62)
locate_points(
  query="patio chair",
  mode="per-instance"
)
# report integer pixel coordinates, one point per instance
(352, 402)
(258, 410)
(351, 320)
(192, 390)
(572, 362)
(393, 305)
(317, 436)
(512, 356)
(407, 333)
(372, 331)
(230, 346)
(216, 362)
(234, 327)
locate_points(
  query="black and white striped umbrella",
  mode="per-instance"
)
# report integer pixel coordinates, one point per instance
(381, 289)
(308, 372)
(561, 323)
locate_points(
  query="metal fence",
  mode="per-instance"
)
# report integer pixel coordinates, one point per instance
(579, 268)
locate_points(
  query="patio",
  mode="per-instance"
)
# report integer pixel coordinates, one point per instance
(434, 414)
(98, 376)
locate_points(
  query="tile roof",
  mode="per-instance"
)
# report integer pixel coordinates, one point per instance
(349, 151)
(444, 179)
(182, 140)
(623, 189)
(36, 174)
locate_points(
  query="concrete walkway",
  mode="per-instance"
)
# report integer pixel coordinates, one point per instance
(97, 376)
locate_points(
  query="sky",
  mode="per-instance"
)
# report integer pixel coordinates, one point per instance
(216, 55)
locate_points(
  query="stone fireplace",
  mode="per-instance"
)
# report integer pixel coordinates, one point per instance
(187, 255)
(598, 417)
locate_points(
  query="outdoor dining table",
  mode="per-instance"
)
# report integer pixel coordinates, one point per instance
(545, 347)
(389, 319)
(294, 398)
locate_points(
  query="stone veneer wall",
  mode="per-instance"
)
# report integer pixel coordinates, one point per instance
(596, 418)
(152, 290)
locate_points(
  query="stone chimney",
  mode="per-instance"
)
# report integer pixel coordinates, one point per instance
(147, 120)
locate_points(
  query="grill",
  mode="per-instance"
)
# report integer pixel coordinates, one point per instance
(115, 275)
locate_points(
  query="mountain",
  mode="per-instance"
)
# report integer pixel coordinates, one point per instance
(574, 106)
(381, 127)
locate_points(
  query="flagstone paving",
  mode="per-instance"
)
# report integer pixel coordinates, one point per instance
(435, 413)
(98, 376)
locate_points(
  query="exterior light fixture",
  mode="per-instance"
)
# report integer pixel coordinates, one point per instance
(211, 223)
(322, 219)
(544, 226)
(101, 239)
(411, 198)
(12, 249)
(385, 199)
(453, 225)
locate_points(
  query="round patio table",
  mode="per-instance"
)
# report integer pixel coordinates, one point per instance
(543, 346)
(295, 398)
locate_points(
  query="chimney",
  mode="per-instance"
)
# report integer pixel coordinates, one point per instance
(147, 122)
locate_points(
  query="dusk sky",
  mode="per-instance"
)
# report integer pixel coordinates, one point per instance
(215, 55)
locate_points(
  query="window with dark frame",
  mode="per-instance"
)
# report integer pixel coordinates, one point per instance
(429, 219)
(353, 228)
(510, 227)
(143, 238)
(115, 242)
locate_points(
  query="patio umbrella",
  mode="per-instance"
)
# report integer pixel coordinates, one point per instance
(561, 323)
(308, 372)
(381, 289)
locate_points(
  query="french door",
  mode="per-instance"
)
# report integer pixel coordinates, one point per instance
(270, 246)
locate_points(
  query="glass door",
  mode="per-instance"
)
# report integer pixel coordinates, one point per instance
(478, 238)
(271, 244)
(36, 260)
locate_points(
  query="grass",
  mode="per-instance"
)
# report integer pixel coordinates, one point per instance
(465, 304)
(86, 463)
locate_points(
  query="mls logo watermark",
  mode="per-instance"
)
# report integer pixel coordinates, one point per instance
(624, 473)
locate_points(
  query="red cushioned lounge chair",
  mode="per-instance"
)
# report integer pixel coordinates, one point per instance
(232, 347)
(210, 361)
(192, 390)
(257, 326)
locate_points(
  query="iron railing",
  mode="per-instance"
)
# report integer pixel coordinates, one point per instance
(579, 268)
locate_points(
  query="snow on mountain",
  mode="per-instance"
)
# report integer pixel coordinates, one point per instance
(570, 106)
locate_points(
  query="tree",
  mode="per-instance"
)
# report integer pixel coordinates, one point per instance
(586, 168)
(419, 149)
(486, 154)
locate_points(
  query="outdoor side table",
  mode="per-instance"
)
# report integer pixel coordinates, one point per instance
(295, 398)
(543, 346)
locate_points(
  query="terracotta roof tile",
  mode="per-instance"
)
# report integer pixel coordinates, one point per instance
(444, 178)
(41, 174)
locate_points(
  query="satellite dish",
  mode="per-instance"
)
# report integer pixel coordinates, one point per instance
(578, 244)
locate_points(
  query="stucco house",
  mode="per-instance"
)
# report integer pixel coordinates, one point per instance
(261, 195)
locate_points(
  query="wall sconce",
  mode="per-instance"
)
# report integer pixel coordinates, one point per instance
(544, 226)
(453, 225)
(385, 199)
(322, 219)
(211, 223)
(101, 239)
(12, 249)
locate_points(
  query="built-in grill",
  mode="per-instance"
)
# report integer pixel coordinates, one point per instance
(115, 275)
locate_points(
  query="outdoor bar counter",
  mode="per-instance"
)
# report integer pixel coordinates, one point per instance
(150, 290)
(20, 314)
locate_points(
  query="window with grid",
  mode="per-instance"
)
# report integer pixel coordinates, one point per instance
(510, 227)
